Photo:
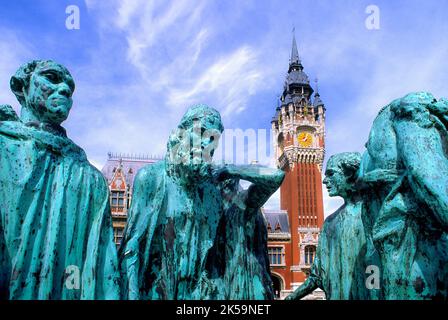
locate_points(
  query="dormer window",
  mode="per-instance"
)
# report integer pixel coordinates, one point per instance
(278, 228)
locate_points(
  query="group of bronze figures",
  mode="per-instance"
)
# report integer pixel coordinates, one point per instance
(193, 232)
(394, 221)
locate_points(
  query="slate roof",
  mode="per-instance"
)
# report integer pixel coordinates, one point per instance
(297, 77)
(317, 100)
(130, 165)
(277, 219)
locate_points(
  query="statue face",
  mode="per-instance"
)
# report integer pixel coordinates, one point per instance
(49, 95)
(191, 149)
(336, 180)
(203, 141)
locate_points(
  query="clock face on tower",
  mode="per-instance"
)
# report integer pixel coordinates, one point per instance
(305, 139)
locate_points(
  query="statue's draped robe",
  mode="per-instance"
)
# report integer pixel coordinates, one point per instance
(339, 266)
(55, 219)
(168, 239)
(407, 167)
(202, 251)
(241, 251)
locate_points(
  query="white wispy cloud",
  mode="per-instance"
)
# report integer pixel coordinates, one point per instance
(179, 70)
(231, 80)
(14, 53)
(171, 46)
(147, 23)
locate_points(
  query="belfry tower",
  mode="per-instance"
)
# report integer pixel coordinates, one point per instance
(299, 146)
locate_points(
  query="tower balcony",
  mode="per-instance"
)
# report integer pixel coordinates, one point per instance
(294, 154)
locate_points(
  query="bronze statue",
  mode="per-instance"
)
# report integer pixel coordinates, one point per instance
(404, 174)
(179, 242)
(339, 266)
(56, 238)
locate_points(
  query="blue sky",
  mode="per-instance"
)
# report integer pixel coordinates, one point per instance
(139, 64)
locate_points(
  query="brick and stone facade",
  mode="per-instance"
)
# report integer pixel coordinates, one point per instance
(120, 171)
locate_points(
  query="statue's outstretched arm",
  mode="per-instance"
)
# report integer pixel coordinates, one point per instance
(305, 289)
(423, 153)
(311, 283)
(265, 181)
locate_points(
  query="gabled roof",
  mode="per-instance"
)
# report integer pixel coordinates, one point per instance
(277, 219)
(129, 166)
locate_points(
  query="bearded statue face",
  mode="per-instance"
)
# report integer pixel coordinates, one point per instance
(44, 89)
(191, 146)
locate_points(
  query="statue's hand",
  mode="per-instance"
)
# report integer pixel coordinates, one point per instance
(7, 113)
(292, 296)
(222, 173)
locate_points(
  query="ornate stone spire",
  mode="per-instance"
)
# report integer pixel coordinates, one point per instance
(295, 59)
(317, 100)
(297, 83)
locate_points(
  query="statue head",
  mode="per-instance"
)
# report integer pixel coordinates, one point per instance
(341, 174)
(192, 144)
(44, 88)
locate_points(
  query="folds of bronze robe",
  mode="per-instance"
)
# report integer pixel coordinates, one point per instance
(55, 219)
(406, 165)
(206, 251)
(239, 259)
(167, 243)
(247, 275)
(341, 261)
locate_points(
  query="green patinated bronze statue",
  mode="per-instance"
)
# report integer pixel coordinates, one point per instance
(56, 239)
(339, 266)
(192, 232)
(242, 249)
(401, 210)
(404, 179)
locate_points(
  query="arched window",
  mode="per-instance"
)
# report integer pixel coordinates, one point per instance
(281, 142)
(310, 253)
(277, 284)
(288, 139)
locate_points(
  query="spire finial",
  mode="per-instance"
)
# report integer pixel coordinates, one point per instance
(317, 100)
(294, 52)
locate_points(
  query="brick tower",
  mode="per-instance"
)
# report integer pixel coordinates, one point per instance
(299, 133)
